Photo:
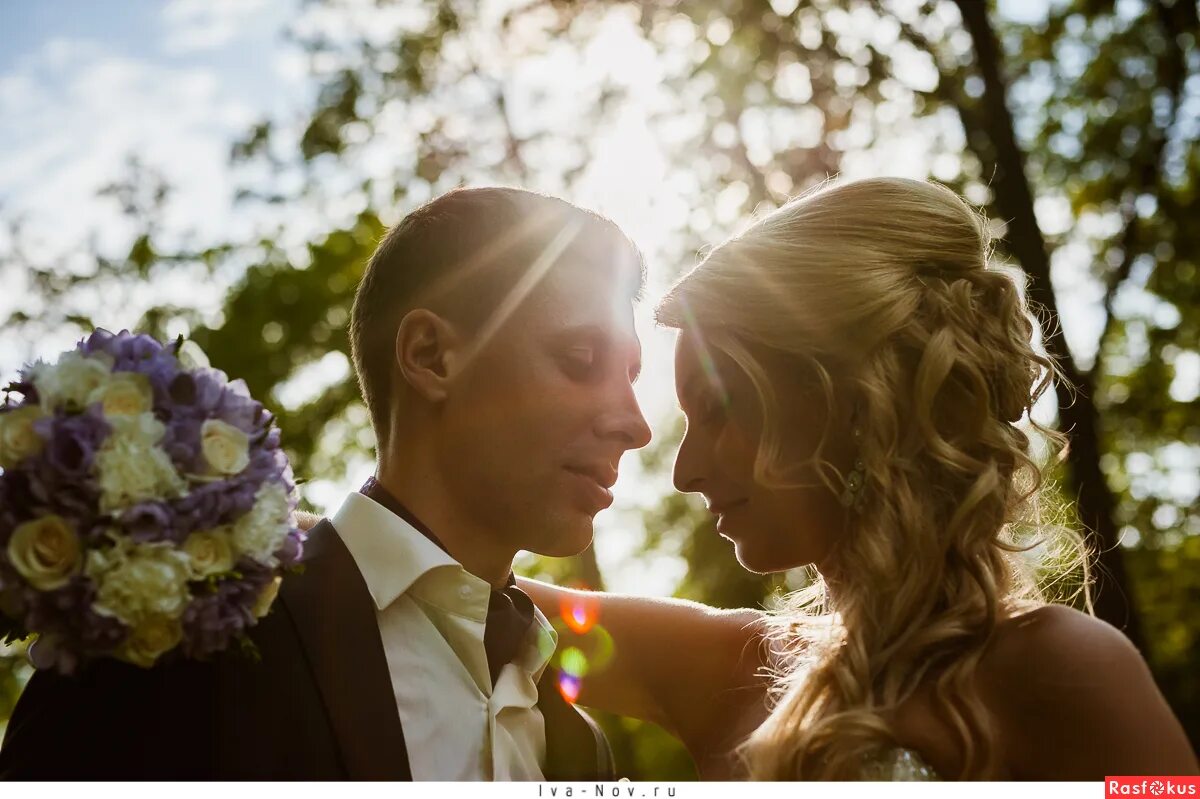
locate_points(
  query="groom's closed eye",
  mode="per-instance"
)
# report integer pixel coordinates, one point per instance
(588, 353)
(580, 362)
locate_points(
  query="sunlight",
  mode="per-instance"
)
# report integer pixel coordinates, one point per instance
(521, 289)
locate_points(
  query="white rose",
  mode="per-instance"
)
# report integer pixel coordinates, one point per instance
(191, 356)
(262, 529)
(131, 467)
(149, 639)
(226, 448)
(137, 581)
(262, 606)
(72, 380)
(124, 394)
(209, 553)
(46, 552)
(17, 437)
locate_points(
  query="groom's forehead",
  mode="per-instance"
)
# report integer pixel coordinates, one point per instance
(577, 296)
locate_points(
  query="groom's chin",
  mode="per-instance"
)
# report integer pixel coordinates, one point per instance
(564, 536)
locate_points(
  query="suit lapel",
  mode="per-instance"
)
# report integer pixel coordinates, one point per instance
(576, 747)
(335, 619)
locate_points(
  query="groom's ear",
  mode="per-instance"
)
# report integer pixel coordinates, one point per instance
(427, 350)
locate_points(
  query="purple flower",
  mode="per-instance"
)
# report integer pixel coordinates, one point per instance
(213, 619)
(149, 521)
(129, 349)
(45, 490)
(292, 550)
(182, 390)
(99, 341)
(72, 441)
(201, 392)
(182, 443)
(239, 409)
(50, 652)
(212, 505)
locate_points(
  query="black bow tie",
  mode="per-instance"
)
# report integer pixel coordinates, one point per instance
(510, 610)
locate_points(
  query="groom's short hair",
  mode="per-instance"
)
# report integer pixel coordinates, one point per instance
(461, 255)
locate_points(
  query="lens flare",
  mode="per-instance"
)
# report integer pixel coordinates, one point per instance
(707, 365)
(569, 687)
(574, 662)
(580, 615)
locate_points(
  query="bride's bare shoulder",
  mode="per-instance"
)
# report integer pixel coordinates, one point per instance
(1067, 690)
(1053, 642)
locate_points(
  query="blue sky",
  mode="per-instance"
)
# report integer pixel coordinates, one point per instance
(83, 84)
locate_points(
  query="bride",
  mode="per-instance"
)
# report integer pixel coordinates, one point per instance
(857, 375)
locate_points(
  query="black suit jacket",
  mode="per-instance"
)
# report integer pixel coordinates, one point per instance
(318, 706)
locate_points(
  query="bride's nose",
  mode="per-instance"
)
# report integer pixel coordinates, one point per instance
(691, 466)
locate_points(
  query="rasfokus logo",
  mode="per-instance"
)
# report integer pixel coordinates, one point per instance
(1152, 786)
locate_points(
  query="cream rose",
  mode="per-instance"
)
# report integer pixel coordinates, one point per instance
(262, 606)
(261, 530)
(149, 639)
(209, 553)
(72, 380)
(191, 356)
(131, 467)
(226, 448)
(124, 394)
(46, 552)
(139, 581)
(17, 437)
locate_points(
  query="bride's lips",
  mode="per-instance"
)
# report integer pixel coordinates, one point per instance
(722, 510)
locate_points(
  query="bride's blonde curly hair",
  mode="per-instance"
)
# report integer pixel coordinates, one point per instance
(887, 289)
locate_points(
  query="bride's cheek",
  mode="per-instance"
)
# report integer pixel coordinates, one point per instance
(734, 453)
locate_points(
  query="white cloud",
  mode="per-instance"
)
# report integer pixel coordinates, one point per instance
(196, 25)
(68, 131)
(71, 113)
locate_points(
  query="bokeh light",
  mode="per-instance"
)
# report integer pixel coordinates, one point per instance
(579, 614)
(569, 687)
(574, 662)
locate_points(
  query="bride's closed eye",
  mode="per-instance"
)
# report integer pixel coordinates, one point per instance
(711, 409)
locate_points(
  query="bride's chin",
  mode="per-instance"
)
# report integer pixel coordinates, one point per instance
(754, 561)
(758, 557)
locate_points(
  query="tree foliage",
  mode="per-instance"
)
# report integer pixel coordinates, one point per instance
(1076, 132)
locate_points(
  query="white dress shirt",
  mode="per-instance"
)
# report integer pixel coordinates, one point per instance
(431, 615)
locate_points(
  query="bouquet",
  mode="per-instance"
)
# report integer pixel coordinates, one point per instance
(146, 508)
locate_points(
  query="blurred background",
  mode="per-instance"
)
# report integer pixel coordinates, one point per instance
(221, 169)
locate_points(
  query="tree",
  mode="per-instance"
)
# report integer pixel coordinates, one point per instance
(1075, 131)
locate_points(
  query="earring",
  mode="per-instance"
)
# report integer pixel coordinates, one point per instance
(852, 495)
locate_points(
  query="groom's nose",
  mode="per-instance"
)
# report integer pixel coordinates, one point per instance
(623, 421)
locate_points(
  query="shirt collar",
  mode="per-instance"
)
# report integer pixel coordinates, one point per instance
(544, 642)
(390, 554)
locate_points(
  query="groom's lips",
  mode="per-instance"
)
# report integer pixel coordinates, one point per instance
(595, 481)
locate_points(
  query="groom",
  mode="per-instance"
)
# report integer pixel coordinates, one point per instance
(493, 341)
